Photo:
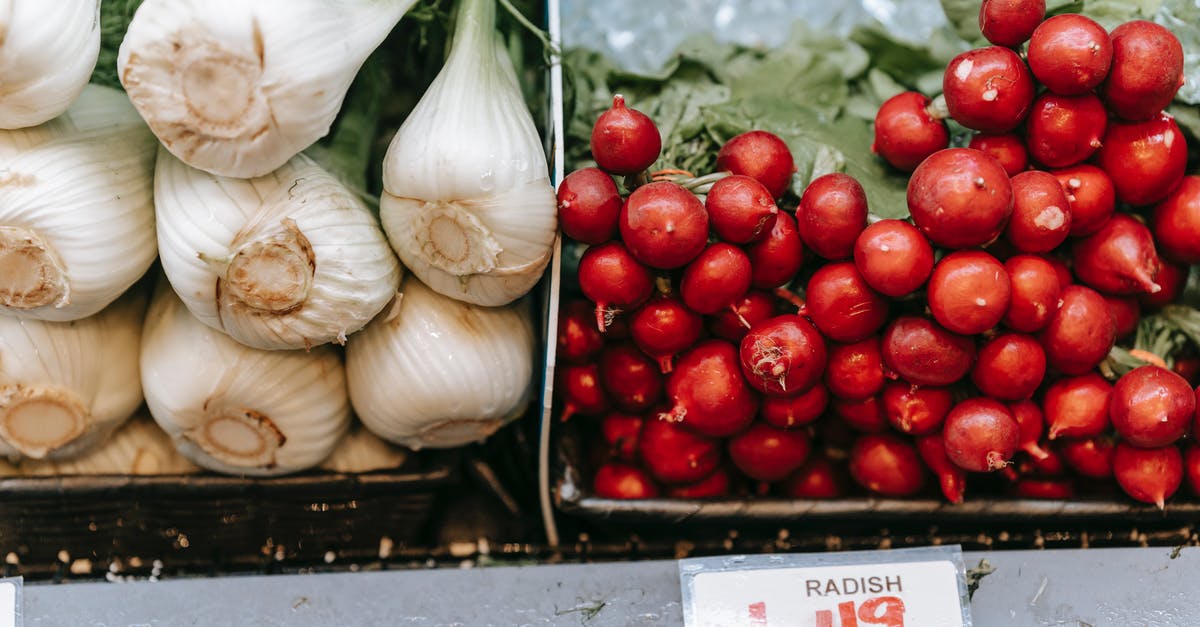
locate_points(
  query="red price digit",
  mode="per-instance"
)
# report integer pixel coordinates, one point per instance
(758, 614)
(892, 614)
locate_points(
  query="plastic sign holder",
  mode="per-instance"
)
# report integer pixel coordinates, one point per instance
(10, 601)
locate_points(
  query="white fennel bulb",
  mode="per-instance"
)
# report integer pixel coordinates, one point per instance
(138, 447)
(292, 259)
(235, 409)
(76, 209)
(48, 49)
(237, 87)
(467, 202)
(65, 386)
(362, 451)
(437, 372)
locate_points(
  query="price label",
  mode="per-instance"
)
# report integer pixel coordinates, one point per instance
(10, 602)
(902, 588)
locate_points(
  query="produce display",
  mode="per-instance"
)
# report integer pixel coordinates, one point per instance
(872, 282)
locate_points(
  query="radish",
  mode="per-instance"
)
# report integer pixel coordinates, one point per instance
(610, 277)
(766, 453)
(1187, 366)
(906, 132)
(855, 370)
(714, 485)
(708, 390)
(1077, 407)
(1126, 312)
(618, 328)
(842, 305)
(1090, 457)
(988, 89)
(1145, 160)
(664, 225)
(1191, 464)
(1010, 367)
(1051, 464)
(581, 391)
(1119, 258)
(1039, 488)
(818, 478)
(716, 279)
(1065, 130)
(740, 209)
(783, 356)
(775, 259)
(981, 435)
(865, 415)
(1152, 406)
(1035, 289)
(893, 257)
(760, 155)
(733, 323)
(631, 379)
(624, 140)
(886, 464)
(960, 198)
(1032, 425)
(969, 292)
(1065, 277)
(588, 206)
(923, 353)
(664, 327)
(1080, 333)
(916, 410)
(786, 412)
(1091, 195)
(1147, 70)
(622, 431)
(1010, 22)
(1172, 279)
(578, 338)
(1006, 148)
(951, 478)
(831, 214)
(616, 480)
(1070, 54)
(674, 454)
(1176, 223)
(1149, 475)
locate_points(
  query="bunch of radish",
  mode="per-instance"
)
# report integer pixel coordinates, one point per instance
(734, 339)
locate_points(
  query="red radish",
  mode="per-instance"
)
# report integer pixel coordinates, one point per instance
(664, 225)
(1010, 22)
(1065, 130)
(1038, 488)
(1006, 148)
(960, 198)
(1172, 279)
(766, 453)
(818, 478)
(618, 327)
(588, 206)
(906, 132)
(1149, 475)
(715, 485)
(760, 155)
(988, 89)
(616, 480)
(625, 140)
(1010, 367)
(1041, 217)
(578, 338)
(865, 415)
(981, 435)
(1070, 54)
(916, 410)
(775, 259)
(1091, 195)
(1187, 366)
(1152, 406)
(951, 478)
(717, 279)
(1065, 277)
(1090, 457)
(1191, 464)
(923, 353)
(783, 356)
(855, 370)
(893, 257)
(582, 392)
(708, 390)
(831, 214)
(631, 379)
(969, 292)
(1051, 464)
(1078, 407)
(621, 431)
(1081, 332)
(675, 454)
(842, 305)
(1145, 160)
(1176, 223)
(886, 464)
(792, 411)
(1035, 288)
(664, 327)
(610, 277)
(1032, 425)
(1147, 70)
(733, 323)
(1126, 311)
(1119, 258)
(740, 209)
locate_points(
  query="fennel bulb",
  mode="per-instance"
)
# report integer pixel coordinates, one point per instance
(139, 447)
(437, 372)
(65, 386)
(76, 209)
(467, 202)
(237, 87)
(362, 451)
(292, 259)
(48, 50)
(235, 409)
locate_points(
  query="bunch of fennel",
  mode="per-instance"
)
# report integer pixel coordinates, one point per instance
(47, 53)
(139, 447)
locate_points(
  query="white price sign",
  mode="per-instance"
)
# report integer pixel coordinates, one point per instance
(10, 602)
(908, 587)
